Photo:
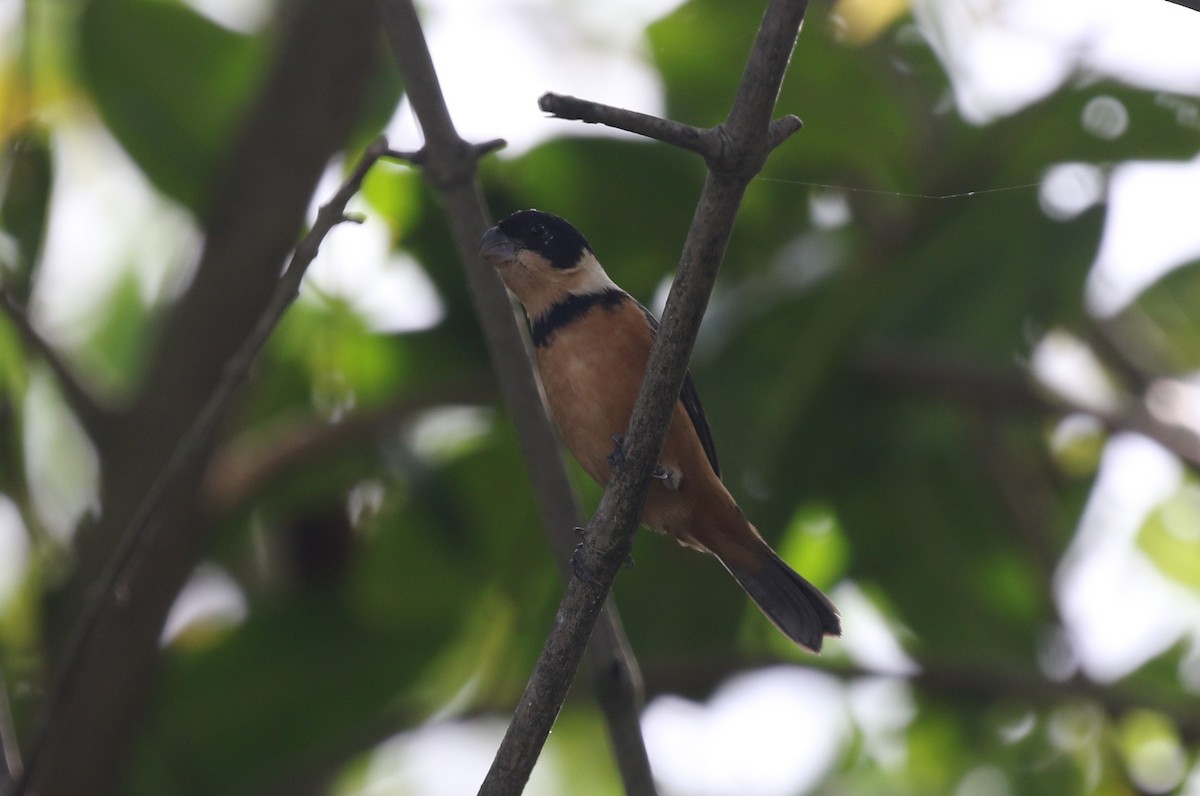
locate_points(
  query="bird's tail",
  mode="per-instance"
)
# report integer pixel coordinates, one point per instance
(795, 606)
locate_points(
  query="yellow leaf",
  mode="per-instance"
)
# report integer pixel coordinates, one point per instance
(863, 20)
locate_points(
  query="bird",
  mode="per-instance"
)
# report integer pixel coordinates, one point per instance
(592, 342)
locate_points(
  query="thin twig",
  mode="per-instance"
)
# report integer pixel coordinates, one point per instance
(1183, 441)
(694, 139)
(782, 129)
(112, 585)
(94, 418)
(204, 427)
(747, 138)
(709, 143)
(448, 164)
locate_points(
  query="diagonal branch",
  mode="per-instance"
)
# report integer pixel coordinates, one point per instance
(448, 164)
(94, 418)
(203, 429)
(747, 136)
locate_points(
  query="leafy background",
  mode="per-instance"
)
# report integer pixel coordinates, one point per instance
(368, 609)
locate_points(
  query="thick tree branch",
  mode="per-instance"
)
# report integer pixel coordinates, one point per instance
(746, 136)
(449, 165)
(95, 419)
(302, 116)
(130, 554)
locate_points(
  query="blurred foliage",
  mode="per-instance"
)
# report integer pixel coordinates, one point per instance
(25, 190)
(168, 81)
(399, 573)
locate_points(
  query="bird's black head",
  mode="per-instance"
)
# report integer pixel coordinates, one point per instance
(547, 234)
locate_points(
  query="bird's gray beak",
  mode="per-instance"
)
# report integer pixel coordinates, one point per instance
(496, 248)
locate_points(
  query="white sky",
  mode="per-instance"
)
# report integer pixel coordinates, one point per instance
(1005, 54)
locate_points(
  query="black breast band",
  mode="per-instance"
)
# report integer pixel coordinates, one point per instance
(571, 309)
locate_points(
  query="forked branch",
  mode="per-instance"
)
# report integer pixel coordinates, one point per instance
(746, 137)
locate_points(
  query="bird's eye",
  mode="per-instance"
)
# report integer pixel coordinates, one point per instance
(537, 231)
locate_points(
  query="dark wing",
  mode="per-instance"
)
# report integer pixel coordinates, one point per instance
(690, 399)
(691, 402)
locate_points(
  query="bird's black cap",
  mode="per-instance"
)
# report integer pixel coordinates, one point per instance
(547, 234)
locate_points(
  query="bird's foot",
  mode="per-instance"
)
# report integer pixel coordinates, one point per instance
(617, 457)
(671, 478)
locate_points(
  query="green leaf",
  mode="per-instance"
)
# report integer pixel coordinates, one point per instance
(1164, 322)
(813, 543)
(1171, 536)
(171, 85)
(394, 193)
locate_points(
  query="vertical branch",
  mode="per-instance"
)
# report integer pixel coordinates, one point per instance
(448, 164)
(741, 144)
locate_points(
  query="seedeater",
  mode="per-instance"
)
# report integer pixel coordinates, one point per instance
(593, 341)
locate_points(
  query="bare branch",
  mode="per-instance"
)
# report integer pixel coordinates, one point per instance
(703, 142)
(1183, 441)
(94, 418)
(709, 143)
(243, 466)
(747, 138)
(784, 128)
(449, 164)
